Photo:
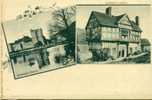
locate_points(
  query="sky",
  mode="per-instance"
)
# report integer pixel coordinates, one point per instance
(12, 8)
(144, 13)
(15, 29)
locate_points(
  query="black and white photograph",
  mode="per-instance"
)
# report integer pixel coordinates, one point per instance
(113, 34)
(40, 36)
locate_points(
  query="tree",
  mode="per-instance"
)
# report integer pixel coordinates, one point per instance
(62, 19)
(64, 24)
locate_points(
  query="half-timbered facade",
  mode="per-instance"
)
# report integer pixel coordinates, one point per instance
(117, 35)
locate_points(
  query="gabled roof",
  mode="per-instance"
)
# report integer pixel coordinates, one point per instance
(111, 21)
(106, 20)
(135, 27)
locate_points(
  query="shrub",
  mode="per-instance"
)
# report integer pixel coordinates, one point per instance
(99, 55)
(59, 59)
(137, 52)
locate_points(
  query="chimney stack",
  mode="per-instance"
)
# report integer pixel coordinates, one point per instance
(137, 20)
(108, 11)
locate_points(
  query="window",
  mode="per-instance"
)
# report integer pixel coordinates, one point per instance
(111, 29)
(131, 50)
(124, 31)
(119, 53)
(108, 29)
(103, 29)
(124, 37)
(123, 53)
(116, 29)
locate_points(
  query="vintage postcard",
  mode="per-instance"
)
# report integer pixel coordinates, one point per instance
(110, 49)
(40, 38)
(114, 34)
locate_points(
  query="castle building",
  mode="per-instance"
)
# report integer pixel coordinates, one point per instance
(117, 35)
(37, 35)
(24, 49)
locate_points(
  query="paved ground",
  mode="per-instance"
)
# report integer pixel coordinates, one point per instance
(138, 59)
(85, 57)
(144, 59)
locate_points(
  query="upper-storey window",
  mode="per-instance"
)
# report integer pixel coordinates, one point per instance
(114, 29)
(104, 29)
(109, 30)
(124, 31)
(135, 33)
(117, 29)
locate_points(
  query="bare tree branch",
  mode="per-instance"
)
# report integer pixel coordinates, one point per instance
(62, 18)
